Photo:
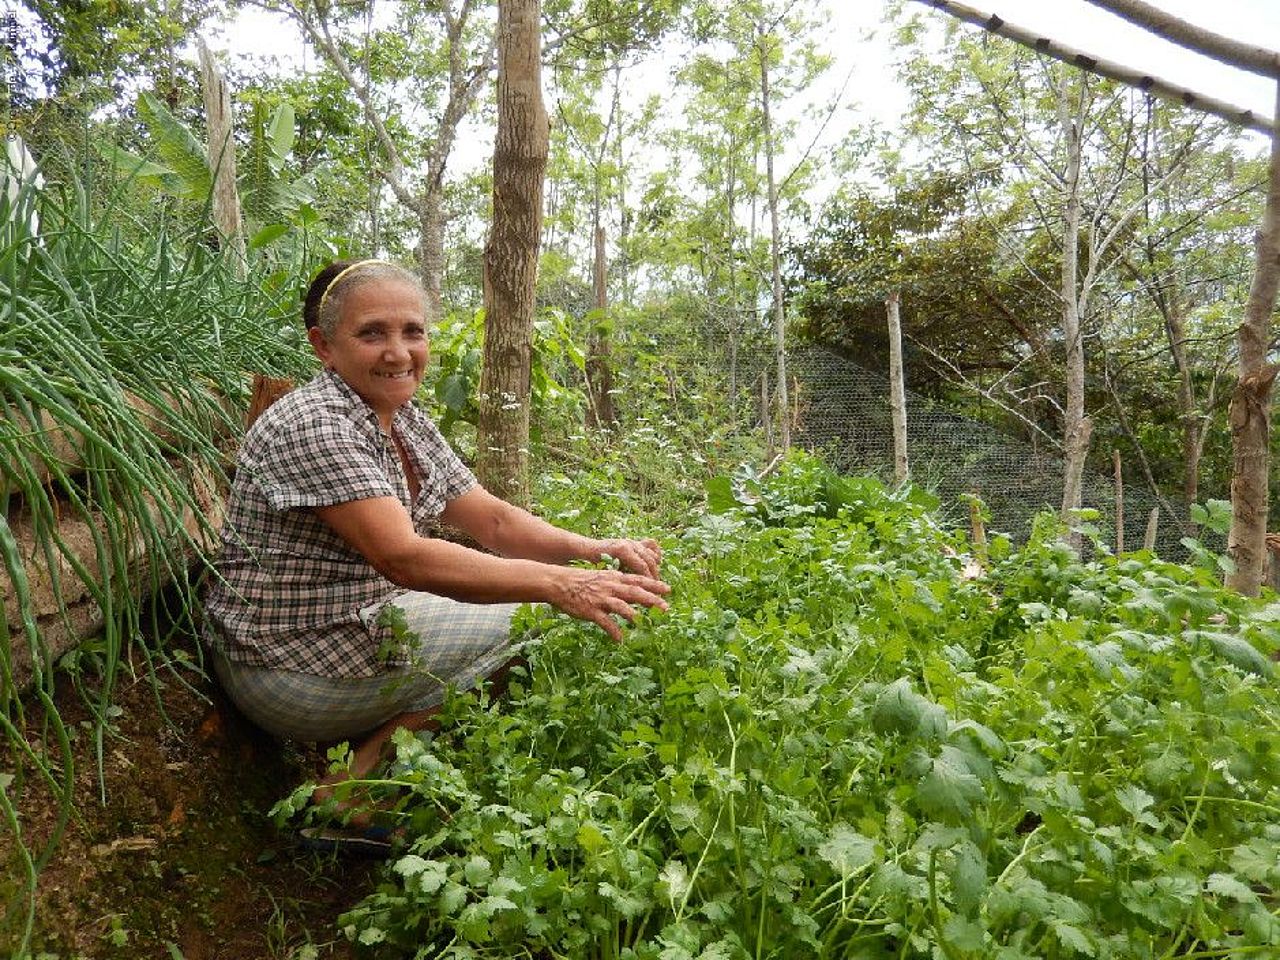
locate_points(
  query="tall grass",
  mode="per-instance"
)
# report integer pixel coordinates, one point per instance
(126, 341)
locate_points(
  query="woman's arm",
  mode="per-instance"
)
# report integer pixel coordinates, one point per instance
(513, 532)
(381, 530)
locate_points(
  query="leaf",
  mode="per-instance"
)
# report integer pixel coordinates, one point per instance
(477, 870)
(947, 792)
(675, 877)
(454, 391)
(177, 146)
(847, 850)
(1225, 885)
(720, 498)
(268, 235)
(1134, 800)
(282, 131)
(1073, 938)
(629, 904)
(1237, 651)
(899, 709)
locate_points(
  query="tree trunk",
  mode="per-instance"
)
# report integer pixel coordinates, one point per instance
(1076, 428)
(431, 251)
(897, 390)
(511, 253)
(220, 122)
(779, 309)
(600, 411)
(1251, 403)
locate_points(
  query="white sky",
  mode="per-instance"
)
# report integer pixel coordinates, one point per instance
(863, 53)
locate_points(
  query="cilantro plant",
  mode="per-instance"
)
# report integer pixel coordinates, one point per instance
(847, 739)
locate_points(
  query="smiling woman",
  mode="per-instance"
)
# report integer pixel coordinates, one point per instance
(326, 554)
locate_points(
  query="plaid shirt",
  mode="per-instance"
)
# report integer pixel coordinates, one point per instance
(292, 594)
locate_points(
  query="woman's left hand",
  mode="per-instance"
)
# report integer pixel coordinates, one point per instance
(638, 556)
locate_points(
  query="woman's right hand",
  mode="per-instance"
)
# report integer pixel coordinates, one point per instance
(600, 595)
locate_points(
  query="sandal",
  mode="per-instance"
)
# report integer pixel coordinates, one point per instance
(370, 841)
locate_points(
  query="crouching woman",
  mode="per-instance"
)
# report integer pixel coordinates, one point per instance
(336, 487)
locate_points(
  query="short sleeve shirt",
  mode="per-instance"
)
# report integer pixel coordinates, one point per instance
(290, 593)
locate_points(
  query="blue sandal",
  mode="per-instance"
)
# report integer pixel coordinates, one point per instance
(348, 841)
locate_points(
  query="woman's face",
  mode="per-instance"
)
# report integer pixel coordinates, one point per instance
(380, 347)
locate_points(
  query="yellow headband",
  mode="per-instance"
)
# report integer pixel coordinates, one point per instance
(342, 273)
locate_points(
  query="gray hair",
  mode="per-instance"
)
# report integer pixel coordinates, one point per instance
(328, 292)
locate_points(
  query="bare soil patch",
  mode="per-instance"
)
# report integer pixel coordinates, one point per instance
(180, 859)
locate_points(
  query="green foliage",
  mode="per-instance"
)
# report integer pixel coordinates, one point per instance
(840, 742)
(124, 366)
(459, 350)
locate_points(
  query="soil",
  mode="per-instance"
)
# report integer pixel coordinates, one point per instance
(171, 853)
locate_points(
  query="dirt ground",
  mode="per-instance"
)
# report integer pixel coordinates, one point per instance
(180, 862)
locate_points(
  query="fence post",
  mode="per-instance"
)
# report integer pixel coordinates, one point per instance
(1153, 522)
(897, 390)
(1115, 458)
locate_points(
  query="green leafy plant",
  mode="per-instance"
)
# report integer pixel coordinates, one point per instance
(842, 742)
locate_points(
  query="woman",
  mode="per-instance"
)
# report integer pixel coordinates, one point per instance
(325, 543)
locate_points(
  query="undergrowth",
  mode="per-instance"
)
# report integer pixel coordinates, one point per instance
(850, 738)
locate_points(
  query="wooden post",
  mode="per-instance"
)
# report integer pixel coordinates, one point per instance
(766, 413)
(1115, 458)
(221, 149)
(1153, 522)
(978, 530)
(897, 391)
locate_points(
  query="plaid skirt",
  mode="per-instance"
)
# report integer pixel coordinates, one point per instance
(459, 644)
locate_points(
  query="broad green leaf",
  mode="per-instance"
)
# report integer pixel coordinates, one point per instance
(1225, 885)
(282, 132)
(847, 850)
(947, 792)
(177, 146)
(899, 709)
(1237, 651)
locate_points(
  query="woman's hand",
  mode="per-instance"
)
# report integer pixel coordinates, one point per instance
(638, 556)
(600, 595)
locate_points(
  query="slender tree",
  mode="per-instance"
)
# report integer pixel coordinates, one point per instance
(511, 253)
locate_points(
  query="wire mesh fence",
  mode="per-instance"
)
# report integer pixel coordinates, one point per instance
(841, 411)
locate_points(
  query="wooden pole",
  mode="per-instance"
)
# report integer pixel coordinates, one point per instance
(1153, 524)
(1156, 86)
(978, 530)
(220, 122)
(897, 390)
(1115, 458)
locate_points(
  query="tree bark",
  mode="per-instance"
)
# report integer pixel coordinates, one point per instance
(1250, 412)
(897, 390)
(779, 308)
(511, 253)
(1156, 86)
(221, 149)
(1076, 428)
